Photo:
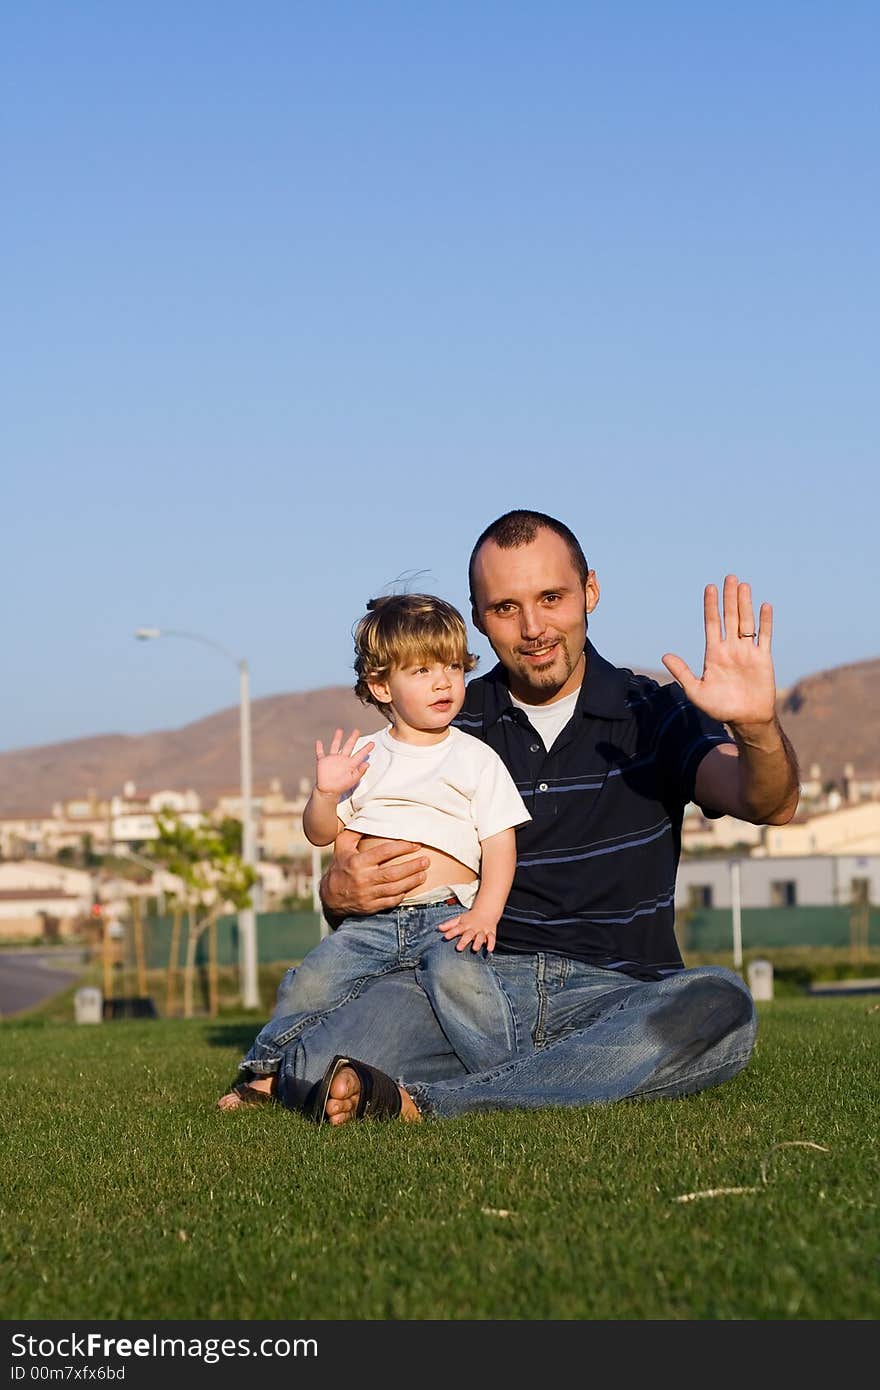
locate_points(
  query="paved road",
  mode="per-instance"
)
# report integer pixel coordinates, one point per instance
(29, 977)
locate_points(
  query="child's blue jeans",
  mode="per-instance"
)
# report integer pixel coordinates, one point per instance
(471, 1004)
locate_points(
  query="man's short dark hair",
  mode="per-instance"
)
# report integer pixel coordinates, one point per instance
(514, 529)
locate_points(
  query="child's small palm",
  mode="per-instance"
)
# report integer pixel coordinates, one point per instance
(338, 770)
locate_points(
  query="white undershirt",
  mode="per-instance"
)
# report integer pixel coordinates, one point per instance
(548, 721)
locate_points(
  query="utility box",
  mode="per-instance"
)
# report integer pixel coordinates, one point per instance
(760, 977)
(88, 1005)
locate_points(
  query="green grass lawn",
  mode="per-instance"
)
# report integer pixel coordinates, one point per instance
(124, 1193)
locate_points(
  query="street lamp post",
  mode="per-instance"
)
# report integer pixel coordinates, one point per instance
(736, 909)
(247, 921)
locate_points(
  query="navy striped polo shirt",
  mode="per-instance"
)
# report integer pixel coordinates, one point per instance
(596, 865)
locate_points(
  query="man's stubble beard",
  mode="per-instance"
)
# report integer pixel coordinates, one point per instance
(544, 680)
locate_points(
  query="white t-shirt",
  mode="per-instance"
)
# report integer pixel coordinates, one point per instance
(448, 795)
(548, 721)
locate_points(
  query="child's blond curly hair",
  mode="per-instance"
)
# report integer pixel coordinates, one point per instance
(402, 629)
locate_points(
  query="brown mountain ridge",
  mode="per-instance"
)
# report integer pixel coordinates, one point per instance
(833, 718)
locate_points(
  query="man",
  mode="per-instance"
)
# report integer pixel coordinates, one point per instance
(606, 762)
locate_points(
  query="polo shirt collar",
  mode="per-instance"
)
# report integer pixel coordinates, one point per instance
(602, 693)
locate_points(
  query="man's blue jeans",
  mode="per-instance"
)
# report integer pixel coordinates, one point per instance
(594, 1036)
(462, 987)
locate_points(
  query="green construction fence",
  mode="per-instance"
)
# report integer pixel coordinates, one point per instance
(711, 929)
(288, 936)
(281, 936)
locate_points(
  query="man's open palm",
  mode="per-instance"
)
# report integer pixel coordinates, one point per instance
(737, 685)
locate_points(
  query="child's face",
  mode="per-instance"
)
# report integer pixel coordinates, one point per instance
(424, 696)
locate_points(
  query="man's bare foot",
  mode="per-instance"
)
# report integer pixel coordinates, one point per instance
(345, 1091)
(254, 1092)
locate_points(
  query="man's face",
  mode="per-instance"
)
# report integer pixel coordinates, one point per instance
(532, 606)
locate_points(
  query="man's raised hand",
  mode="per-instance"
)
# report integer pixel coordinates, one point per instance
(737, 685)
(338, 770)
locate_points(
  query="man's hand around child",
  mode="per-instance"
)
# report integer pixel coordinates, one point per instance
(338, 770)
(471, 929)
(370, 875)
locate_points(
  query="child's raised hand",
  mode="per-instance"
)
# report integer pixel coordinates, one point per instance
(337, 770)
(471, 930)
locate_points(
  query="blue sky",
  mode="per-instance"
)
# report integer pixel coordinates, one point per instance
(298, 298)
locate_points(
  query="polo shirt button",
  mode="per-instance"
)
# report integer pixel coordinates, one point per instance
(542, 786)
(535, 748)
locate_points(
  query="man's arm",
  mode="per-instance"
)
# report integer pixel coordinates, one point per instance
(757, 780)
(369, 880)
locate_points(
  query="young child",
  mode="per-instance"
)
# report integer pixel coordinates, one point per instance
(422, 781)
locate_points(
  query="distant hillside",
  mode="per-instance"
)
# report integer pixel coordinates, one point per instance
(833, 718)
(203, 755)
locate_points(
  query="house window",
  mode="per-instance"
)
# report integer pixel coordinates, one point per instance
(699, 896)
(783, 893)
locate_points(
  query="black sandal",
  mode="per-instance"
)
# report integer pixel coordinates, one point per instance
(379, 1098)
(250, 1095)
